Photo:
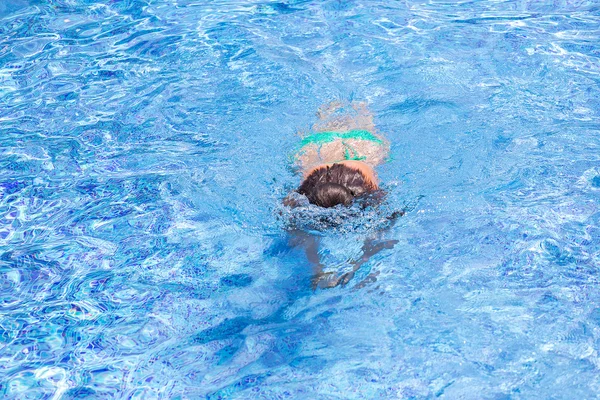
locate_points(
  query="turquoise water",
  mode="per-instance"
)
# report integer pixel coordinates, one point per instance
(145, 149)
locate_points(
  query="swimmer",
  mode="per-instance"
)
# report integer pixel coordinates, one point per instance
(337, 159)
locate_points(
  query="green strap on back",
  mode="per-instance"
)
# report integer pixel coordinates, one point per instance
(354, 155)
(321, 138)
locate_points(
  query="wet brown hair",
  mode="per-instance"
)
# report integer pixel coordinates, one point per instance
(329, 186)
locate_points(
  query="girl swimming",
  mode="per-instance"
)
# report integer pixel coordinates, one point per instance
(337, 159)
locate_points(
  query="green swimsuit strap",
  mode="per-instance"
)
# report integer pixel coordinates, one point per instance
(320, 138)
(354, 155)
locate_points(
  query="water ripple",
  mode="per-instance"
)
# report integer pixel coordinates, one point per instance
(144, 152)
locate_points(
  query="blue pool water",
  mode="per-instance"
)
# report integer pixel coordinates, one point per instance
(145, 148)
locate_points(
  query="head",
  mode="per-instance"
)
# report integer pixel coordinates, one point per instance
(329, 186)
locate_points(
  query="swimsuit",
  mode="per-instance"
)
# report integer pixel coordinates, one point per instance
(320, 138)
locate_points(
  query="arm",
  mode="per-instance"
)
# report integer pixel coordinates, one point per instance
(310, 244)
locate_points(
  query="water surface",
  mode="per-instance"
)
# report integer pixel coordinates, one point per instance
(144, 150)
